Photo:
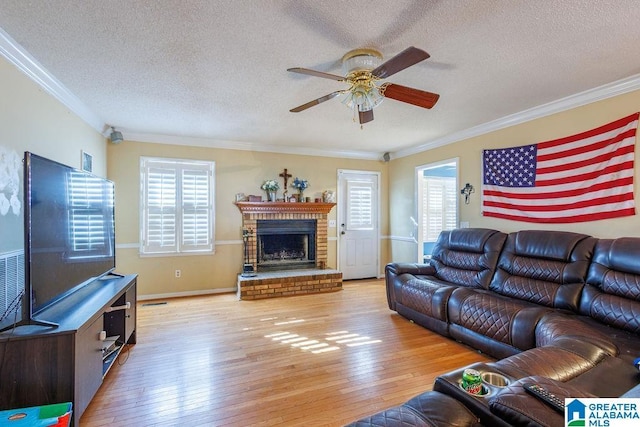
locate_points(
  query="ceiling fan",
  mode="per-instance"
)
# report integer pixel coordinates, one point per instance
(363, 72)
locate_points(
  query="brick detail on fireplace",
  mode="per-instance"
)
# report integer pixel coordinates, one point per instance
(294, 282)
(300, 283)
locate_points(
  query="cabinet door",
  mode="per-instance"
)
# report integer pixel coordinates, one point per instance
(130, 314)
(36, 371)
(88, 366)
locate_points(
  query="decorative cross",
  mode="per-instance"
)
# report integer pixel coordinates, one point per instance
(286, 177)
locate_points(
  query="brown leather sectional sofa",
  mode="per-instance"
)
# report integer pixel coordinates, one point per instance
(557, 308)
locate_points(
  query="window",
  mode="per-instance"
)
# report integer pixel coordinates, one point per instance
(360, 197)
(177, 213)
(437, 204)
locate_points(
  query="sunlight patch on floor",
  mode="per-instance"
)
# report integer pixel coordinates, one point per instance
(328, 343)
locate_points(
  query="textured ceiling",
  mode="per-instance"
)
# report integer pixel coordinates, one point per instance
(214, 71)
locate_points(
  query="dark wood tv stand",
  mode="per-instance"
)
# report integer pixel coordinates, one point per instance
(41, 365)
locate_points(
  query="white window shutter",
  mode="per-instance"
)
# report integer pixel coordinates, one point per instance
(177, 200)
(196, 221)
(160, 231)
(439, 204)
(360, 213)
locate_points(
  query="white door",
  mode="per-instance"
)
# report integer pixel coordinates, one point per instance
(358, 230)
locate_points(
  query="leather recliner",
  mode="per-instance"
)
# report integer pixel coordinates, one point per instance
(463, 257)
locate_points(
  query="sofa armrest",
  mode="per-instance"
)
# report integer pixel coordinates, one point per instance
(398, 268)
(516, 406)
(554, 328)
(395, 269)
(429, 409)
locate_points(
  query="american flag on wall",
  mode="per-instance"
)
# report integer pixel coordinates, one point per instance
(583, 177)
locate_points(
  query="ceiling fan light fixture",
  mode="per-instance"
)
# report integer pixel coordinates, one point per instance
(363, 72)
(360, 59)
(363, 95)
(362, 98)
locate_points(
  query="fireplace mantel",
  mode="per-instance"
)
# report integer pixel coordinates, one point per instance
(284, 207)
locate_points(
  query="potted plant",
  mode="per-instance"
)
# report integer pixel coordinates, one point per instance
(271, 186)
(300, 185)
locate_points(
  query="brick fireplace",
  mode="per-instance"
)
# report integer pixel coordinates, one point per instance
(252, 212)
(278, 275)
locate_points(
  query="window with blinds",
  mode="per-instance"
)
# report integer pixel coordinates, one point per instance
(439, 205)
(177, 206)
(360, 199)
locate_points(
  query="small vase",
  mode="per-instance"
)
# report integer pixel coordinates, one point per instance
(301, 197)
(271, 195)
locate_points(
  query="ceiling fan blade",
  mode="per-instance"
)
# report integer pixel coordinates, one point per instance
(409, 95)
(365, 116)
(315, 102)
(408, 57)
(315, 73)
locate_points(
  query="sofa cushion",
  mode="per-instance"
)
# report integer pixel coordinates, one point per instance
(612, 294)
(499, 318)
(547, 268)
(467, 256)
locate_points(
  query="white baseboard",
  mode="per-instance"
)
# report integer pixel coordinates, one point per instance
(187, 294)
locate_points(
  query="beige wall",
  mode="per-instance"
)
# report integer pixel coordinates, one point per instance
(236, 172)
(402, 171)
(32, 120)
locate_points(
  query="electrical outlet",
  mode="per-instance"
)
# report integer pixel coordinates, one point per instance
(332, 223)
(178, 273)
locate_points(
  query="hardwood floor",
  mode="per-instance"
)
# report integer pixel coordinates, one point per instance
(313, 360)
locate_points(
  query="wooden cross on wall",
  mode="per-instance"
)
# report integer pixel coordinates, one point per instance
(286, 177)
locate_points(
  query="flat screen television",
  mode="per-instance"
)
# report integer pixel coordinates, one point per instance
(69, 231)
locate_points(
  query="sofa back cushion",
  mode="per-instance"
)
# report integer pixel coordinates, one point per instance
(548, 268)
(467, 256)
(612, 295)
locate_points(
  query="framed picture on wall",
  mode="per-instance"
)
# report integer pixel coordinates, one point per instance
(86, 161)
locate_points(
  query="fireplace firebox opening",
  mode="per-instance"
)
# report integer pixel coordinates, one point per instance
(286, 244)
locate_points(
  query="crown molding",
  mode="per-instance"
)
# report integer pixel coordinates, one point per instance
(247, 146)
(608, 90)
(27, 64)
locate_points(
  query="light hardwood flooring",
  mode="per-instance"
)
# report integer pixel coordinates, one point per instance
(312, 360)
